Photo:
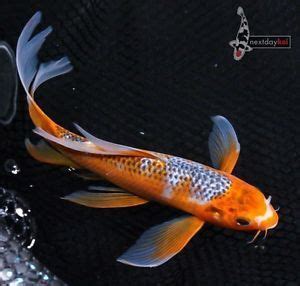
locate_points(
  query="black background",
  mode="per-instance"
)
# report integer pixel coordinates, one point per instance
(162, 68)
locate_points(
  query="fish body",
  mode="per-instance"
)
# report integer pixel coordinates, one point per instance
(240, 44)
(177, 182)
(183, 184)
(205, 194)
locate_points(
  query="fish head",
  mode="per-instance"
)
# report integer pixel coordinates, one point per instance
(243, 207)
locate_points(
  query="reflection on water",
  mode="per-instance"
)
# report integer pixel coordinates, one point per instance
(8, 84)
(18, 267)
(15, 216)
(17, 230)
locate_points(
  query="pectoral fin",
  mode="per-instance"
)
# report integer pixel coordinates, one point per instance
(43, 152)
(105, 198)
(160, 243)
(223, 145)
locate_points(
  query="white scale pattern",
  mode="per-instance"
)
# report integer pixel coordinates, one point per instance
(205, 184)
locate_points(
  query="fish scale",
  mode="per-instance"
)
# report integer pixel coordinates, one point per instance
(176, 174)
(204, 183)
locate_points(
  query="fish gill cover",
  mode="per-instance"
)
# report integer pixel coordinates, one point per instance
(150, 75)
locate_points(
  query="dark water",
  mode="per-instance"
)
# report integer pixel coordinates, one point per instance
(150, 75)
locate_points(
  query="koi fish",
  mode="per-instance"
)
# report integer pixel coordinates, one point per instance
(240, 44)
(205, 194)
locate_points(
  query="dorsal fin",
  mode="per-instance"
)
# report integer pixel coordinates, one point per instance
(91, 148)
(117, 148)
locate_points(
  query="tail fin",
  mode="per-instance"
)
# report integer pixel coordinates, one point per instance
(33, 73)
(240, 11)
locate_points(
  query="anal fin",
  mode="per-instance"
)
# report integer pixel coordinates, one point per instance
(43, 152)
(106, 197)
(160, 243)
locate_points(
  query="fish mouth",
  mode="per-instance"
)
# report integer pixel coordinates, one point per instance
(270, 215)
(272, 226)
(260, 231)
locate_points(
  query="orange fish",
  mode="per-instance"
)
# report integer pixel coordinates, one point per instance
(206, 194)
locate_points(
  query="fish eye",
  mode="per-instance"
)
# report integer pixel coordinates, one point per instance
(242, 221)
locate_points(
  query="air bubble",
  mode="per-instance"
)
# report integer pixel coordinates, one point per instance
(20, 212)
(6, 274)
(11, 166)
(17, 282)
